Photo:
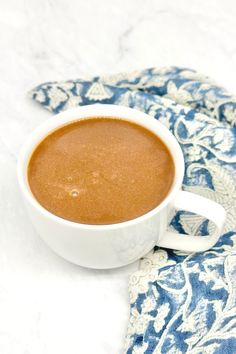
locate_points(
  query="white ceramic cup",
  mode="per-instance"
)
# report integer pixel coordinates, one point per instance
(115, 245)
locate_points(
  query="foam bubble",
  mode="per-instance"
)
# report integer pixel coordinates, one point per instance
(74, 193)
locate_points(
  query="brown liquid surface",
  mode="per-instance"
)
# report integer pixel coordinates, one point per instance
(100, 171)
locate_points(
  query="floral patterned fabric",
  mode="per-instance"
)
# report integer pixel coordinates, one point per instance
(180, 303)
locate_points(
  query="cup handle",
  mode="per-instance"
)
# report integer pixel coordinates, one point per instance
(198, 205)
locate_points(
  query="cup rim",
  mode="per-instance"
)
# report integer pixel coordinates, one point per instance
(86, 112)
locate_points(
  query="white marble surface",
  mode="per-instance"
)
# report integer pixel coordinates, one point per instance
(46, 304)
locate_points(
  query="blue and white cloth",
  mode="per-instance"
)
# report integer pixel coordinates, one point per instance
(179, 303)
